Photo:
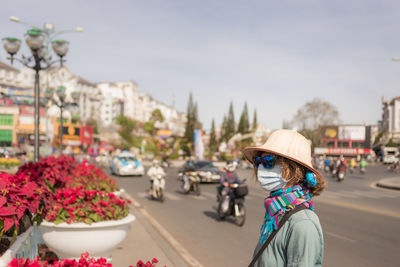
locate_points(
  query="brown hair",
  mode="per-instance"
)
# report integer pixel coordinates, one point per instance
(295, 173)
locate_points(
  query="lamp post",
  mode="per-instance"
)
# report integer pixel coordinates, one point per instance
(60, 103)
(35, 39)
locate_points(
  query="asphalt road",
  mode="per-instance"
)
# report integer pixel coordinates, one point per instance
(361, 223)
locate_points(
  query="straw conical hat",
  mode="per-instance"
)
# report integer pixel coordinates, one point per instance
(285, 143)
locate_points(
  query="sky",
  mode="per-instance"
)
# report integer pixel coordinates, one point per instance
(274, 55)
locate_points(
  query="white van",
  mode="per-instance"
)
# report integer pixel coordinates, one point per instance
(390, 155)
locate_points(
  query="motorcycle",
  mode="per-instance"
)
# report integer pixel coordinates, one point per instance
(232, 204)
(157, 192)
(191, 182)
(362, 170)
(165, 163)
(327, 168)
(394, 167)
(334, 171)
(341, 172)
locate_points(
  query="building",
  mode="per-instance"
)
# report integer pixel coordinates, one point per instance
(8, 125)
(102, 102)
(390, 123)
(25, 128)
(346, 140)
(118, 98)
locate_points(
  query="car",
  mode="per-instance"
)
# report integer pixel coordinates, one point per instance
(126, 164)
(205, 169)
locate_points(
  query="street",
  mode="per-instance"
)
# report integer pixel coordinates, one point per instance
(360, 222)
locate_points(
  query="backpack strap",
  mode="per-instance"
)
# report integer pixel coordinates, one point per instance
(286, 216)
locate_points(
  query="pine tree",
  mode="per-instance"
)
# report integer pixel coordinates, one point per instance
(244, 125)
(191, 115)
(223, 130)
(213, 137)
(255, 123)
(230, 123)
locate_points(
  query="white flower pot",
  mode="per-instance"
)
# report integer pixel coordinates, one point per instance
(69, 241)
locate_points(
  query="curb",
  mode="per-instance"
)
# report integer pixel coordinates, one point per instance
(387, 186)
(179, 249)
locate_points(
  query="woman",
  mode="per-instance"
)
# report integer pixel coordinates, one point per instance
(283, 168)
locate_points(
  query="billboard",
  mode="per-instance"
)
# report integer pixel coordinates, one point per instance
(329, 132)
(356, 132)
(86, 134)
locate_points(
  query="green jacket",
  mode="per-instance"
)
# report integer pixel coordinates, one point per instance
(299, 242)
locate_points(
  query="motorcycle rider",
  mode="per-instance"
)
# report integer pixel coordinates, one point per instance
(228, 177)
(327, 164)
(189, 168)
(363, 164)
(353, 164)
(153, 172)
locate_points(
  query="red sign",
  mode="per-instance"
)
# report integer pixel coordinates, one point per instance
(30, 111)
(86, 135)
(347, 151)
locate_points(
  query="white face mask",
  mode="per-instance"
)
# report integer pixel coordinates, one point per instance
(270, 179)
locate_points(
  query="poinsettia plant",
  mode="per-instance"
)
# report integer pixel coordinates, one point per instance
(79, 205)
(84, 261)
(90, 177)
(52, 172)
(19, 198)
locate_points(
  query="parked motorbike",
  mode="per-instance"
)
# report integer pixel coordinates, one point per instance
(191, 182)
(232, 204)
(157, 192)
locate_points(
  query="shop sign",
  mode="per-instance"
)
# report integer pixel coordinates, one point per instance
(352, 132)
(86, 135)
(341, 151)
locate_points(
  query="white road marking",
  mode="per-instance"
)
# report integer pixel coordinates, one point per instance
(210, 195)
(171, 196)
(163, 232)
(142, 194)
(198, 197)
(368, 194)
(340, 237)
(359, 207)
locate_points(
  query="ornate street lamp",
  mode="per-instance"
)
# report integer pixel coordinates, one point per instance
(12, 46)
(61, 102)
(61, 48)
(35, 39)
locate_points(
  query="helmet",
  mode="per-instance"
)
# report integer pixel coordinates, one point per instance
(231, 166)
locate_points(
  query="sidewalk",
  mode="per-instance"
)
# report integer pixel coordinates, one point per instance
(145, 243)
(390, 183)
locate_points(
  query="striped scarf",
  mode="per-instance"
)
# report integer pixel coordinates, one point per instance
(278, 203)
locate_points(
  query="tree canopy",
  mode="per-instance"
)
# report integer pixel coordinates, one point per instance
(244, 125)
(157, 115)
(255, 123)
(192, 119)
(314, 114)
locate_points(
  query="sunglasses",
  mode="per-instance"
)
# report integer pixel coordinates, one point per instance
(267, 161)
